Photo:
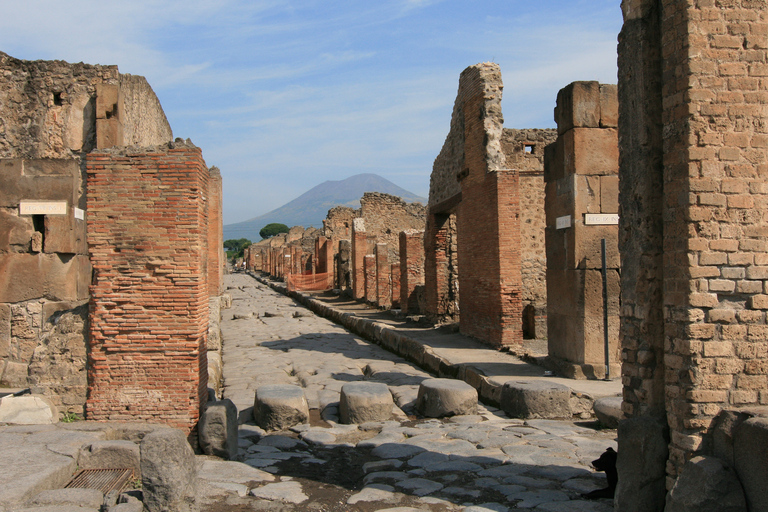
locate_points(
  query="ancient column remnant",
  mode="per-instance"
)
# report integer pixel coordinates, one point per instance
(471, 180)
(357, 262)
(411, 268)
(582, 209)
(693, 152)
(147, 238)
(369, 278)
(383, 277)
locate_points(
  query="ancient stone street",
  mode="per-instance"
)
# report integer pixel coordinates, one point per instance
(479, 462)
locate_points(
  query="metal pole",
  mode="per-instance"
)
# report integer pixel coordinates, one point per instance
(605, 313)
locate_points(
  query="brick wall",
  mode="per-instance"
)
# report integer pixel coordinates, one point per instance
(411, 268)
(216, 257)
(383, 276)
(487, 212)
(700, 68)
(147, 237)
(357, 260)
(394, 270)
(369, 278)
(524, 151)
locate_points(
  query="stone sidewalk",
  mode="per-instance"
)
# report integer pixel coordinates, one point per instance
(474, 463)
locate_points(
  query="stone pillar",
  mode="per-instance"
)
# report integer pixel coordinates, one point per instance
(441, 299)
(582, 209)
(357, 262)
(369, 278)
(395, 283)
(411, 268)
(110, 109)
(343, 266)
(147, 237)
(383, 277)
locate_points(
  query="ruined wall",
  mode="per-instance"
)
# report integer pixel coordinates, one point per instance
(338, 222)
(524, 151)
(698, 151)
(411, 269)
(147, 237)
(386, 216)
(48, 108)
(487, 211)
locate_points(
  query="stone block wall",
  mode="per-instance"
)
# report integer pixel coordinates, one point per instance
(147, 237)
(383, 276)
(357, 258)
(524, 151)
(581, 174)
(692, 85)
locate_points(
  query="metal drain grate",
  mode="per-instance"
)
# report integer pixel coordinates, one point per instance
(105, 480)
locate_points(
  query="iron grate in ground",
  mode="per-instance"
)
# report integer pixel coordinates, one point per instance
(105, 480)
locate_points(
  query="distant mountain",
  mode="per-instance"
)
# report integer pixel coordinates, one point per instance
(310, 208)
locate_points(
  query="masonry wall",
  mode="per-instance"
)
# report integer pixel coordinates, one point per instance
(216, 257)
(147, 238)
(524, 151)
(582, 189)
(487, 211)
(411, 269)
(700, 70)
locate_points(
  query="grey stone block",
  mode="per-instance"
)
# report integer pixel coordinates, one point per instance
(608, 410)
(218, 429)
(168, 472)
(111, 455)
(280, 406)
(27, 409)
(87, 498)
(438, 398)
(706, 484)
(642, 465)
(365, 401)
(750, 453)
(536, 399)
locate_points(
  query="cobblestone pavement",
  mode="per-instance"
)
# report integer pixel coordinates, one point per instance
(473, 463)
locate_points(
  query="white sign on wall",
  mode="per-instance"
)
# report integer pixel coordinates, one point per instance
(563, 222)
(42, 208)
(79, 214)
(601, 219)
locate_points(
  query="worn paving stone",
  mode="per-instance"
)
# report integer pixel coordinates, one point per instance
(419, 486)
(288, 492)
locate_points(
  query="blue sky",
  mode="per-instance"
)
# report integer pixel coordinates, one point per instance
(282, 95)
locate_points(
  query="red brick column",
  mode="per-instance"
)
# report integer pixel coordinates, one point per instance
(411, 268)
(359, 250)
(383, 277)
(215, 235)
(147, 238)
(369, 277)
(395, 283)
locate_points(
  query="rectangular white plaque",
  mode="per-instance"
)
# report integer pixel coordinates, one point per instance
(79, 214)
(601, 219)
(563, 222)
(42, 208)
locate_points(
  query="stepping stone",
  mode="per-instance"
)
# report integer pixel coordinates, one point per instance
(608, 410)
(535, 399)
(280, 406)
(365, 401)
(439, 398)
(217, 430)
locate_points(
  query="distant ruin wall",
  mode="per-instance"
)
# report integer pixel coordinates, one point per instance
(48, 108)
(147, 237)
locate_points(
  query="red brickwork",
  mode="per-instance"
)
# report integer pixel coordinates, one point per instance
(383, 277)
(487, 216)
(216, 258)
(369, 278)
(359, 250)
(411, 269)
(147, 237)
(693, 158)
(395, 281)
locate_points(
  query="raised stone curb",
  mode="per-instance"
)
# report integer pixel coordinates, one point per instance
(608, 410)
(439, 398)
(218, 429)
(280, 406)
(365, 401)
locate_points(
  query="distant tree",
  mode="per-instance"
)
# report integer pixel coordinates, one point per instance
(235, 248)
(273, 229)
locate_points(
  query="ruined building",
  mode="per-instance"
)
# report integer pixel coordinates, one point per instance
(110, 245)
(484, 242)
